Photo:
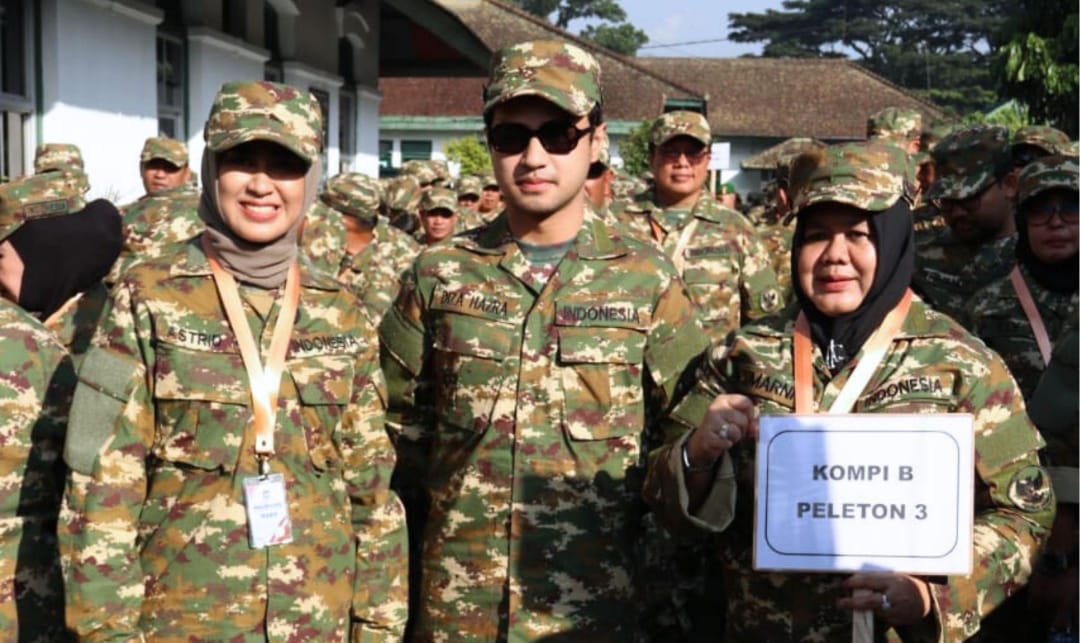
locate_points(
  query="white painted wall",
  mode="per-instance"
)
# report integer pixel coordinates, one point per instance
(305, 77)
(367, 131)
(214, 59)
(99, 85)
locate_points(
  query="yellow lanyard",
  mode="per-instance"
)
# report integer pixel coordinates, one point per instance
(265, 384)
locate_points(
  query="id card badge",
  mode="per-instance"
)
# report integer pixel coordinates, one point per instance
(267, 511)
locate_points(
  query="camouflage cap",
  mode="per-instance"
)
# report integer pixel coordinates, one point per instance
(469, 186)
(1047, 173)
(868, 175)
(966, 161)
(1048, 139)
(49, 194)
(437, 197)
(166, 149)
(680, 123)
(554, 70)
(441, 170)
(422, 171)
(894, 124)
(403, 194)
(353, 194)
(57, 156)
(605, 148)
(263, 111)
(488, 181)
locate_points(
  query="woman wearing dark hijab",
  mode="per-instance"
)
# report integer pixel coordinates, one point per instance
(1021, 316)
(55, 251)
(229, 465)
(852, 261)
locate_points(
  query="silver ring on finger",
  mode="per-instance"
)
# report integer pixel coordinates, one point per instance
(885, 604)
(724, 431)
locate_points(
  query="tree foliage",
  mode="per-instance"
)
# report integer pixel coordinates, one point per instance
(634, 149)
(940, 50)
(470, 153)
(1037, 63)
(608, 27)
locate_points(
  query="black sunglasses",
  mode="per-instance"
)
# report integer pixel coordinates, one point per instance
(557, 137)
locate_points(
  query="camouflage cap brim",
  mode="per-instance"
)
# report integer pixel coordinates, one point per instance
(554, 70)
(959, 188)
(866, 175)
(263, 111)
(40, 196)
(1048, 173)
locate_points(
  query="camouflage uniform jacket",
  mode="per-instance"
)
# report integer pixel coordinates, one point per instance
(933, 366)
(530, 449)
(948, 272)
(156, 225)
(726, 270)
(996, 317)
(77, 320)
(34, 398)
(374, 273)
(776, 239)
(154, 531)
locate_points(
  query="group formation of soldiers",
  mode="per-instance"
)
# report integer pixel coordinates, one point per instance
(518, 405)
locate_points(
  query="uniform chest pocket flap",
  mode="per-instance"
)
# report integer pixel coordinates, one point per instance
(467, 368)
(601, 372)
(931, 393)
(201, 407)
(324, 385)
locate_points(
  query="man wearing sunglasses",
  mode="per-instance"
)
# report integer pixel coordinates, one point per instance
(974, 189)
(523, 360)
(715, 249)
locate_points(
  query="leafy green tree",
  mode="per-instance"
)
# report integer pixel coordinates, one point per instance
(1037, 63)
(623, 38)
(634, 149)
(470, 152)
(610, 28)
(940, 50)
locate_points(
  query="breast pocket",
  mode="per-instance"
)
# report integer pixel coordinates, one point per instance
(201, 407)
(712, 278)
(468, 369)
(601, 372)
(324, 385)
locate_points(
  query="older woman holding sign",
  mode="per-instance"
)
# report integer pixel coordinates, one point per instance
(854, 334)
(229, 467)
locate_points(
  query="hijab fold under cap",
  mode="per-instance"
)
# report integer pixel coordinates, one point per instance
(870, 178)
(264, 265)
(66, 255)
(243, 112)
(841, 337)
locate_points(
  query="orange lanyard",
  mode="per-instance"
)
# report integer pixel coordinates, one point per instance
(1032, 313)
(265, 384)
(871, 354)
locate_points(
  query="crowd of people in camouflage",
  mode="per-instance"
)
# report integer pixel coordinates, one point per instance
(255, 405)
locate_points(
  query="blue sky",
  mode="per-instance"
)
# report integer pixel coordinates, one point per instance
(681, 21)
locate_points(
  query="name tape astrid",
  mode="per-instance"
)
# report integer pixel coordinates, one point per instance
(865, 492)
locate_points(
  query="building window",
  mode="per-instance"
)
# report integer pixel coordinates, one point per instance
(346, 130)
(170, 85)
(13, 14)
(415, 151)
(16, 104)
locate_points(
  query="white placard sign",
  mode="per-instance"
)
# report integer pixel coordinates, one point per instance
(720, 158)
(870, 492)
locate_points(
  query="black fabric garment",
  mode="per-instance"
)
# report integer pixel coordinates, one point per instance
(65, 255)
(840, 338)
(1060, 277)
